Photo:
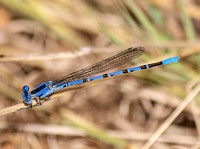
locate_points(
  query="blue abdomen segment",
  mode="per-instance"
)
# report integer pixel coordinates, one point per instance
(115, 73)
(75, 82)
(134, 69)
(170, 60)
(60, 86)
(94, 78)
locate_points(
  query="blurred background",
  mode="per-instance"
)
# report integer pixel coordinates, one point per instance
(42, 40)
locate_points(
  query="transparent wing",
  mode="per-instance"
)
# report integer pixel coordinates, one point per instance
(104, 65)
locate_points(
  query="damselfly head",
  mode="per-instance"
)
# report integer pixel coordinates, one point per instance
(27, 98)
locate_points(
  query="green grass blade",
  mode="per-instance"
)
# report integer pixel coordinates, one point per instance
(145, 22)
(188, 26)
(128, 17)
(113, 38)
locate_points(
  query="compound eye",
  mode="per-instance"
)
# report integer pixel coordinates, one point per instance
(25, 88)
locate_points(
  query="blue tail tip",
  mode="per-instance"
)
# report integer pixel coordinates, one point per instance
(171, 60)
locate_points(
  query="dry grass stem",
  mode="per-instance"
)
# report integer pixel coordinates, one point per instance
(172, 117)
